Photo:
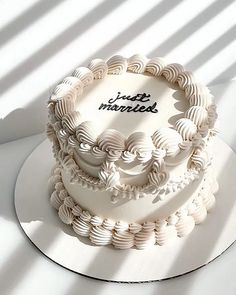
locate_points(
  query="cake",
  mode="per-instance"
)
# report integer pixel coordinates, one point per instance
(132, 142)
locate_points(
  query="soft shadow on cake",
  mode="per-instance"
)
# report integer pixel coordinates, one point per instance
(133, 156)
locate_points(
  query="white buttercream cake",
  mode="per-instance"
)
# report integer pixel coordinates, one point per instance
(132, 143)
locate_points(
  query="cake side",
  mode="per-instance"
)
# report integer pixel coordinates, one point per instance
(123, 235)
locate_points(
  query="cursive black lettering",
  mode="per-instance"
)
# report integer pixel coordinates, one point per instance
(152, 108)
(140, 97)
(143, 96)
(104, 106)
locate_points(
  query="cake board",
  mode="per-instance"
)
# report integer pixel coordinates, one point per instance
(58, 241)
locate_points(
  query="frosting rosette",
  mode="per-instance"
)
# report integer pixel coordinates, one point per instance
(65, 91)
(84, 74)
(55, 200)
(168, 139)
(137, 63)
(171, 72)
(86, 132)
(117, 65)
(186, 128)
(198, 95)
(65, 214)
(70, 121)
(109, 175)
(75, 82)
(123, 240)
(144, 239)
(111, 139)
(64, 107)
(184, 225)
(157, 178)
(198, 115)
(81, 227)
(100, 236)
(155, 66)
(165, 233)
(139, 142)
(99, 68)
(185, 79)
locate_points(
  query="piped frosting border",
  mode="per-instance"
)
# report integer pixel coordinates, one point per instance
(67, 132)
(122, 235)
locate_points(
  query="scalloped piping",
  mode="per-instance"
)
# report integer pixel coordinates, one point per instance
(138, 64)
(123, 235)
(97, 69)
(77, 175)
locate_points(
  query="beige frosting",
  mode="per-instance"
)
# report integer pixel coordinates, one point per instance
(171, 72)
(198, 115)
(85, 75)
(99, 68)
(185, 79)
(75, 83)
(100, 236)
(111, 139)
(186, 128)
(130, 204)
(155, 66)
(117, 65)
(86, 133)
(124, 235)
(137, 63)
(70, 121)
(145, 168)
(167, 139)
(64, 107)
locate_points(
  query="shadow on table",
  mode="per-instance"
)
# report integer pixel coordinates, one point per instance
(20, 262)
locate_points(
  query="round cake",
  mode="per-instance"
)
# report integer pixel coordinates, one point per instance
(132, 142)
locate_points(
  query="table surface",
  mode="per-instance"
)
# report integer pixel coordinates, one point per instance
(197, 34)
(24, 269)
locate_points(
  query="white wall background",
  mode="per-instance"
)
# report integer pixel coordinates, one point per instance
(42, 41)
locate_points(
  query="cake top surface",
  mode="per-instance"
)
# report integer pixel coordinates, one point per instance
(131, 103)
(135, 105)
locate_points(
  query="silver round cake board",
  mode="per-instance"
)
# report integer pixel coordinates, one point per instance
(58, 241)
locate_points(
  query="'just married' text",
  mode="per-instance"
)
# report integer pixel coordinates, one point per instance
(114, 104)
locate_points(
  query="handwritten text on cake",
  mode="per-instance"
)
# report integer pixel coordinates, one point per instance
(140, 98)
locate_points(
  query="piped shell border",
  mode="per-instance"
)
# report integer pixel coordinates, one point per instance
(122, 235)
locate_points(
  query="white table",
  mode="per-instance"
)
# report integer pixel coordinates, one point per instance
(24, 270)
(38, 47)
